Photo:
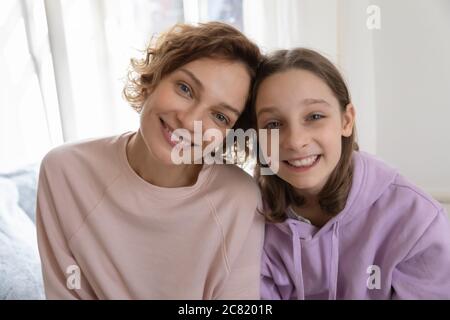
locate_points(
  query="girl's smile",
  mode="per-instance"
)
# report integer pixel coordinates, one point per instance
(302, 164)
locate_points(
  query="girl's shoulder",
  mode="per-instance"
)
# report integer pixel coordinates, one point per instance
(395, 184)
(392, 196)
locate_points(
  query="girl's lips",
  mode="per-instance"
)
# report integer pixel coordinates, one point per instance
(301, 167)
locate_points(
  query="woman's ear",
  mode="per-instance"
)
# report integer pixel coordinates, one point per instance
(348, 120)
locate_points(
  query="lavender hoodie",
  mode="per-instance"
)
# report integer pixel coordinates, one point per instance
(391, 241)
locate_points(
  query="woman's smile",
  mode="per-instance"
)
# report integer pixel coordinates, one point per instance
(172, 138)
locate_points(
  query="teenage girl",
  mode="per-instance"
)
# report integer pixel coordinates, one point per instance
(342, 224)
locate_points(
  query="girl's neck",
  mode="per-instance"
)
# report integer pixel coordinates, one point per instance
(154, 171)
(312, 211)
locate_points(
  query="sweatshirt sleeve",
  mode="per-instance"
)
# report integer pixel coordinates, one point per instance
(243, 281)
(275, 282)
(425, 272)
(59, 267)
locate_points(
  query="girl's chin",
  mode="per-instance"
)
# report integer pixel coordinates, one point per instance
(305, 187)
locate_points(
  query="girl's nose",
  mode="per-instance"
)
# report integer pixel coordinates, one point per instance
(295, 138)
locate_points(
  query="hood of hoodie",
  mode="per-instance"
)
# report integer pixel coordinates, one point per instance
(368, 184)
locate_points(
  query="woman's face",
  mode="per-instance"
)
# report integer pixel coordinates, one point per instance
(310, 124)
(208, 90)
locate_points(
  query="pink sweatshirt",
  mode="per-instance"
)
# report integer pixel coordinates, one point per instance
(105, 233)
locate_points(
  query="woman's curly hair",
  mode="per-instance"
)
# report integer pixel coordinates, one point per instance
(182, 44)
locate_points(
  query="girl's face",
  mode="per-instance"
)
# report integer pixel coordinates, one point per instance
(208, 90)
(310, 124)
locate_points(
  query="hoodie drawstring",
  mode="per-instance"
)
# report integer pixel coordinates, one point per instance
(334, 264)
(297, 254)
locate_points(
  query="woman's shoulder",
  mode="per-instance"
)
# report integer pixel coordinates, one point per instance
(236, 180)
(234, 194)
(86, 151)
(82, 164)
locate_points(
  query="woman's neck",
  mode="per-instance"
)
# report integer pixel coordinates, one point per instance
(143, 162)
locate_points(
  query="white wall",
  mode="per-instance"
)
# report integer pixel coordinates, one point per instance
(290, 23)
(356, 60)
(412, 90)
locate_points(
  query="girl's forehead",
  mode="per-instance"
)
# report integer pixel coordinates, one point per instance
(294, 85)
(295, 78)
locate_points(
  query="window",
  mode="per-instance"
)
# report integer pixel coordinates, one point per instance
(63, 65)
(29, 119)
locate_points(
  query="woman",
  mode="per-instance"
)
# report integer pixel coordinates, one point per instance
(117, 219)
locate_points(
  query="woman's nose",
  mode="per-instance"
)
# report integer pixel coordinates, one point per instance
(188, 116)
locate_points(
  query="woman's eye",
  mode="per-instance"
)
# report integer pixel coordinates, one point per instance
(315, 116)
(185, 89)
(222, 118)
(272, 125)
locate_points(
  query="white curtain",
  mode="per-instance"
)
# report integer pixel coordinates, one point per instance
(62, 69)
(63, 62)
(29, 114)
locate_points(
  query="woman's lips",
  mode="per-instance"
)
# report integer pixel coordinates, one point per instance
(168, 133)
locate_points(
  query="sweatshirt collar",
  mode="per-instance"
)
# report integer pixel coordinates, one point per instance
(154, 191)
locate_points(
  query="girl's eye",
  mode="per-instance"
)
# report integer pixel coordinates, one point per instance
(315, 116)
(272, 125)
(222, 118)
(185, 89)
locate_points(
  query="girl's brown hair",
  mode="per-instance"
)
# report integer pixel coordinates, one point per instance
(279, 195)
(182, 44)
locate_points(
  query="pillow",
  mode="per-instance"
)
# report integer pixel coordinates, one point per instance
(20, 268)
(25, 180)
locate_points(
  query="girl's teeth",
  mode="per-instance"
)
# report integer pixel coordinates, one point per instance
(303, 162)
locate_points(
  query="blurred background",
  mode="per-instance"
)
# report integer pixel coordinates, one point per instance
(63, 63)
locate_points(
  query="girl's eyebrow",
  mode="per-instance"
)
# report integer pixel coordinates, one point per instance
(310, 101)
(307, 101)
(267, 110)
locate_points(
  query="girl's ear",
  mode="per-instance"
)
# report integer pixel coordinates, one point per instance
(348, 120)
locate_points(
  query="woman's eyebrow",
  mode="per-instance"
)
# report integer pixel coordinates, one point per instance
(229, 108)
(200, 85)
(193, 77)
